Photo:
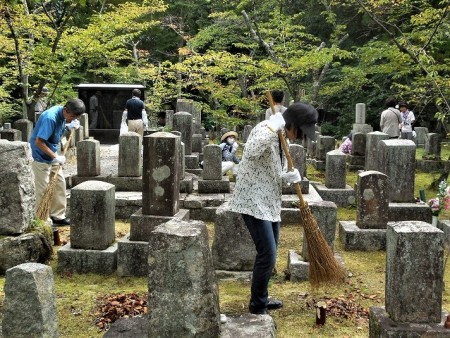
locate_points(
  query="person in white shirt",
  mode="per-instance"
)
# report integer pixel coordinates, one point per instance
(408, 120)
(277, 96)
(258, 190)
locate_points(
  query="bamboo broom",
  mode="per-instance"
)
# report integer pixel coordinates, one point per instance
(43, 209)
(323, 266)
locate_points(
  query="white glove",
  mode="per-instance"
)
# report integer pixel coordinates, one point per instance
(60, 159)
(414, 133)
(234, 147)
(124, 116)
(276, 122)
(144, 119)
(292, 176)
(75, 124)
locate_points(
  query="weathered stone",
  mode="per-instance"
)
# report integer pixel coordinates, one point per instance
(92, 205)
(17, 192)
(298, 155)
(421, 135)
(11, 134)
(358, 144)
(372, 200)
(214, 186)
(161, 181)
(184, 105)
(360, 113)
(183, 301)
(233, 247)
(130, 160)
(29, 308)
(335, 175)
(169, 119)
(414, 272)
(88, 158)
(432, 145)
(102, 262)
(248, 325)
(182, 122)
(371, 153)
(197, 143)
(354, 238)
(397, 159)
(131, 327)
(212, 162)
(324, 145)
(26, 128)
(34, 247)
(84, 122)
(132, 257)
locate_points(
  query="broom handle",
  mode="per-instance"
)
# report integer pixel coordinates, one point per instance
(298, 189)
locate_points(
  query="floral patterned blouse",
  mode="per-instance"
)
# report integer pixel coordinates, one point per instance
(258, 184)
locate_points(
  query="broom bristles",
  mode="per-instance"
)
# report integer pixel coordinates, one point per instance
(323, 266)
(43, 209)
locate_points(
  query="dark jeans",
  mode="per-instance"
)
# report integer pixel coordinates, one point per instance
(265, 235)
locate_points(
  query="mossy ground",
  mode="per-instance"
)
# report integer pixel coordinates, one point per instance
(77, 294)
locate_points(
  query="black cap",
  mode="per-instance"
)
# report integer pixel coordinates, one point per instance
(302, 116)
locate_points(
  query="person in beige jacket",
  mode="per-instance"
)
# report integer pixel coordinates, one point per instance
(391, 119)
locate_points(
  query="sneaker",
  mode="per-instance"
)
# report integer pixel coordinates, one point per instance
(223, 318)
(256, 311)
(274, 304)
(62, 222)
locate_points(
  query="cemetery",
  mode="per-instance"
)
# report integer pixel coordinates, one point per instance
(145, 220)
(224, 169)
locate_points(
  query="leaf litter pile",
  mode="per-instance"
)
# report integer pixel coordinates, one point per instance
(115, 306)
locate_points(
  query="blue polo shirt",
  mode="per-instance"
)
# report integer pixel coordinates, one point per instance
(49, 127)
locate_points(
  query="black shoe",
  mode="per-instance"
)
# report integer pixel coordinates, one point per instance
(64, 221)
(256, 311)
(274, 304)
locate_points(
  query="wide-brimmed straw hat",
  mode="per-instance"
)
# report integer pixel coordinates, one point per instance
(230, 133)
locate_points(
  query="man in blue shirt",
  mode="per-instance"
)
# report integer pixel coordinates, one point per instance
(136, 114)
(44, 144)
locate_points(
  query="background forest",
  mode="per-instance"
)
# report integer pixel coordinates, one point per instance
(226, 53)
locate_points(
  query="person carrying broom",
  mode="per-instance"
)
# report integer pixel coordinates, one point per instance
(44, 143)
(258, 190)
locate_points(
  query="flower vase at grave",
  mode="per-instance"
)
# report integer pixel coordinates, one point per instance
(434, 221)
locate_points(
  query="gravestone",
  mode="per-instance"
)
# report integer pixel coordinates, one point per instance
(88, 158)
(92, 230)
(212, 180)
(335, 176)
(359, 144)
(182, 302)
(433, 145)
(372, 200)
(397, 159)
(182, 122)
(10, 134)
(237, 254)
(130, 160)
(421, 135)
(360, 125)
(169, 119)
(29, 308)
(26, 128)
(17, 192)
(184, 105)
(197, 144)
(371, 154)
(414, 283)
(161, 181)
(92, 224)
(84, 122)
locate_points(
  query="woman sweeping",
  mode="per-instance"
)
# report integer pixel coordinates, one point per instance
(257, 195)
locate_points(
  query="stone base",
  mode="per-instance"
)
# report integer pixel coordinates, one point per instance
(132, 257)
(318, 164)
(196, 201)
(342, 197)
(141, 225)
(214, 186)
(198, 172)
(355, 162)
(245, 276)
(191, 161)
(428, 166)
(354, 238)
(409, 212)
(381, 326)
(187, 184)
(298, 268)
(102, 262)
(247, 325)
(127, 203)
(290, 189)
(206, 214)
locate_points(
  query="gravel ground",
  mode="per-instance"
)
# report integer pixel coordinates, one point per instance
(109, 155)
